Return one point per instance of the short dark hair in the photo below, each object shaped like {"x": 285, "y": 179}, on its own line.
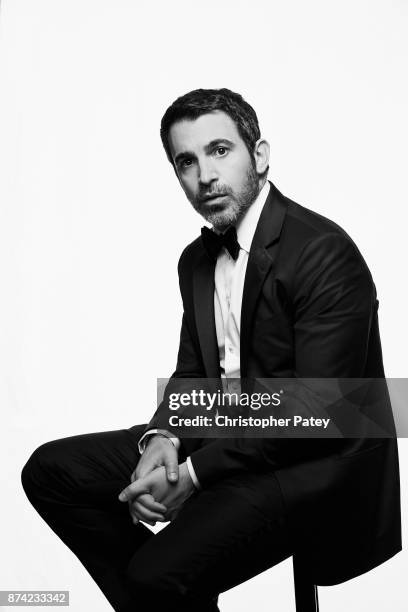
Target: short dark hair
{"x": 201, "y": 101}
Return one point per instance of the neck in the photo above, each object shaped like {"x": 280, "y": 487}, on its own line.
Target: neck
{"x": 262, "y": 183}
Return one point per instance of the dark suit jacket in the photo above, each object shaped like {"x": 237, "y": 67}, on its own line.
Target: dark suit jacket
{"x": 309, "y": 310}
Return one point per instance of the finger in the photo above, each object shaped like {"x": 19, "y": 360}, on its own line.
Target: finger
{"x": 133, "y": 490}
{"x": 143, "y": 470}
{"x": 137, "y": 473}
{"x": 172, "y": 469}
{"x": 132, "y": 513}
{"x": 133, "y": 516}
{"x": 151, "y": 504}
{"x": 143, "y": 514}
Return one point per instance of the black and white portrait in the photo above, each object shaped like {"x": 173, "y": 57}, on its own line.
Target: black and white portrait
{"x": 211, "y": 192}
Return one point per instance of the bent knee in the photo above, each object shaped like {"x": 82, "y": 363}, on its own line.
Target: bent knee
{"x": 39, "y": 468}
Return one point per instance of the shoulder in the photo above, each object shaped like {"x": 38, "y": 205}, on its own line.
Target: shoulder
{"x": 305, "y": 230}
{"x": 304, "y": 224}
{"x": 314, "y": 248}
{"x": 323, "y": 256}
{"x": 190, "y": 256}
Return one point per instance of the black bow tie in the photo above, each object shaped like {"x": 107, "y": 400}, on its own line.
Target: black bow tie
{"x": 213, "y": 242}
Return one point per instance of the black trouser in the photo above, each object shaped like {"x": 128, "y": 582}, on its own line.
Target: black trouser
{"x": 222, "y": 536}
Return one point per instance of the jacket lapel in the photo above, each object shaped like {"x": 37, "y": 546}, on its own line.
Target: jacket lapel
{"x": 203, "y": 290}
{"x": 260, "y": 264}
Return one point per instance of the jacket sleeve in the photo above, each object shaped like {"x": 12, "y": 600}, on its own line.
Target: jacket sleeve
{"x": 334, "y": 301}
{"x": 189, "y": 367}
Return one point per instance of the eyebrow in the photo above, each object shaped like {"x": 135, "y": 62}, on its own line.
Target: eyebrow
{"x": 214, "y": 143}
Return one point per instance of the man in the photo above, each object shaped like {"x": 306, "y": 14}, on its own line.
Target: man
{"x": 274, "y": 290}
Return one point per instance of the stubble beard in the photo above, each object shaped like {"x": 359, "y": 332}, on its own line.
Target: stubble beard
{"x": 220, "y": 216}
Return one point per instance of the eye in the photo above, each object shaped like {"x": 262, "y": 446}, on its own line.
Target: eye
{"x": 221, "y": 151}
{"x": 186, "y": 163}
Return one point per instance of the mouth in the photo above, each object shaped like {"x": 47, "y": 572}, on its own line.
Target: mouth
{"x": 213, "y": 199}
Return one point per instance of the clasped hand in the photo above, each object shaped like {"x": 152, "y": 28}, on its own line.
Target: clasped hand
{"x": 159, "y": 486}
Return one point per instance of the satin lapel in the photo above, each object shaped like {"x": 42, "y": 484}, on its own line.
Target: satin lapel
{"x": 203, "y": 288}
{"x": 260, "y": 264}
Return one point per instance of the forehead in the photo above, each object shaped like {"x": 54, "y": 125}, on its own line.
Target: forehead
{"x": 194, "y": 134}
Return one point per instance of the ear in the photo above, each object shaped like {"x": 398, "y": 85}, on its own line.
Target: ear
{"x": 261, "y": 155}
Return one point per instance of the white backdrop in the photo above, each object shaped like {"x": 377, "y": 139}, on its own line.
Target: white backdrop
{"x": 93, "y": 219}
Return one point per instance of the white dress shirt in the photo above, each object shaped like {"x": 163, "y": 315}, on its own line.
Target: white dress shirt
{"x": 229, "y": 277}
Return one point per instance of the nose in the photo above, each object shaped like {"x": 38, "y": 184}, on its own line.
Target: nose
{"x": 206, "y": 172}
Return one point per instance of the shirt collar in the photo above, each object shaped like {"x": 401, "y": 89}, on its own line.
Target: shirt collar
{"x": 246, "y": 226}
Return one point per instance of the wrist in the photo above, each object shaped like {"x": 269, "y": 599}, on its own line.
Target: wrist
{"x": 158, "y": 437}
{"x": 163, "y": 433}
{"x": 185, "y": 476}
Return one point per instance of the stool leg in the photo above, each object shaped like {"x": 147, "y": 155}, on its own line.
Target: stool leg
{"x": 305, "y": 591}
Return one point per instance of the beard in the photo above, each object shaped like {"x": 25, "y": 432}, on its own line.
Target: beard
{"x": 235, "y": 205}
